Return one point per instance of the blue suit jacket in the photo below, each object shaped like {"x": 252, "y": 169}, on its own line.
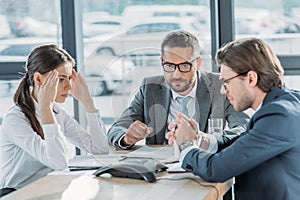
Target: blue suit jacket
{"x": 152, "y": 103}
{"x": 265, "y": 159}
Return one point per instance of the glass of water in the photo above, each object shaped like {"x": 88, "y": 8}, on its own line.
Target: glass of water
{"x": 215, "y": 126}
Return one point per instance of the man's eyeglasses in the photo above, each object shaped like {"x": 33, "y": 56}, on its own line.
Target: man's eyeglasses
{"x": 226, "y": 81}
{"x": 183, "y": 67}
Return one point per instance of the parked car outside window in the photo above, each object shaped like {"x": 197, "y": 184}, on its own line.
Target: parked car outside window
{"x": 98, "y": 23}
{"x": 105, "y": 73}
{"x": 147, "y": 35}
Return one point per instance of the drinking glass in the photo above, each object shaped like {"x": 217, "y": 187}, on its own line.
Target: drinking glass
{"x": 215, "y": 126}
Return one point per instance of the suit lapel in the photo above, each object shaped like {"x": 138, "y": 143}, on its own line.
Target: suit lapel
{"x": 162, "y": 100}
{"x": 203, "y": 104}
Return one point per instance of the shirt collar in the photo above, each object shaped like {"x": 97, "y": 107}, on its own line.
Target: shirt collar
{"x": 258, "y": 108}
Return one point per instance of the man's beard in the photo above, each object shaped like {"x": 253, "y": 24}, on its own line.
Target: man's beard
{"x": 186, "y": 86}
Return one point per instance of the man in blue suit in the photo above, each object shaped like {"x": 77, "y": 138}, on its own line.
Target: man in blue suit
{"x": 156, "y": 103}
{"x": 265, "y": 159}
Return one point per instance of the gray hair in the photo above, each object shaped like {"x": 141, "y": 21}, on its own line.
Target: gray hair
{"x": 181, "y": 39}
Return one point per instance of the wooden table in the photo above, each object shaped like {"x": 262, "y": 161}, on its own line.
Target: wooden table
{"x": 181, "y": 186}
{"x": 82, "y": 185}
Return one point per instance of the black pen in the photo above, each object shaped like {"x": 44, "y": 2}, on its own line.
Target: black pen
{"x": 171, "y": 162}
{"x": 82, "y": 168}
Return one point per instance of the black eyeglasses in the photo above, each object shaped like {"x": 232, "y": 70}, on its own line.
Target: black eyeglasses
{"x": 183, "y": 67}
{"x": 226, "y": 81}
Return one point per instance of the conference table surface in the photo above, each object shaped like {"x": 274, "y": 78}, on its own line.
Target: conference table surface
{"x": 82, "y": 185}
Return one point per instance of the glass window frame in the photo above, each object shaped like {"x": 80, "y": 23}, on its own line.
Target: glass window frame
{"x": 222, "y": 30}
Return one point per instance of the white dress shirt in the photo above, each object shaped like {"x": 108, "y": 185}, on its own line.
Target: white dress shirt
{"x": 27, "y": 157}
{"x": 175, "y": 107}
{"x": 206, "y": 142}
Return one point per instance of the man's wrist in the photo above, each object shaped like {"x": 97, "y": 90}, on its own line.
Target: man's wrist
{"x": 185, "y": 151}
{"x": 186, "y": 144}
{"x": 121, "y": 144}
{"x": 208, "y": 142}
{"x": 123, "y": 141}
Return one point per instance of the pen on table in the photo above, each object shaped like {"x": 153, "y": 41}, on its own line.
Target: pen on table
{"x": 171, "y": 162}
{"x": 175, "y": 145}
{"x": 82, "y": 168}
{"x": 134, "y": 157}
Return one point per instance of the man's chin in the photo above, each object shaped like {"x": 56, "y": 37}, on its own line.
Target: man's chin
{"x": 60, "y": 100}
{"x": 237, "y": 108}
{"x": 178, "y": 88}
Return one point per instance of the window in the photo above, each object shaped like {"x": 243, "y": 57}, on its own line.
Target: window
{"x": 116, "y": 61}
{"x": 133, "y": 48}
{"x": 278, "y": 24}
{"x": 22, "y": 28}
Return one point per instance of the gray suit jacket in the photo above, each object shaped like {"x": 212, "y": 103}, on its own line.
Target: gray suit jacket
{"x": 152, "y": 103}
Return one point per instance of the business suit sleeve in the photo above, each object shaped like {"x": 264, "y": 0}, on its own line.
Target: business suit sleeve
{"x": 134, "y": 112}
{"x": 272, "y": 131}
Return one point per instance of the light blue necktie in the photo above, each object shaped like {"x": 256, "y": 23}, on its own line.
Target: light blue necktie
{"x": 183, "y": 101}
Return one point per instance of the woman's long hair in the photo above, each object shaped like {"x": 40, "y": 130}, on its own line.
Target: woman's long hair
{"x": 42, "y": 59}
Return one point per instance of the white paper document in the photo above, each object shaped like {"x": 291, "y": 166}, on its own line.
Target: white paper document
{"x": 163, "y": 154}
{"x": 93, "y": 160}
{"x": 175, "y": 168}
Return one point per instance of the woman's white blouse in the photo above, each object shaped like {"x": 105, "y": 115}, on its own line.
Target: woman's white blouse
{"x": 26, "y": 157}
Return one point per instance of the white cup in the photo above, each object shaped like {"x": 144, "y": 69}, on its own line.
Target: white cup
{"x": 215, "y": 126}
